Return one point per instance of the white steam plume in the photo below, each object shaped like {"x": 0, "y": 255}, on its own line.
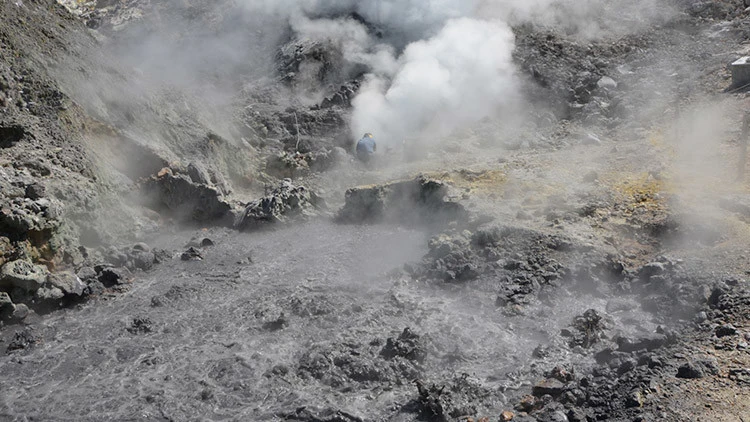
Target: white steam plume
{"x": 433, "y": 66}
{"x": 441, "y": 65}
{"x": 458, "y": 77}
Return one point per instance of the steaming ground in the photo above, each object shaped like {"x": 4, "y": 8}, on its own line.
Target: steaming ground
{"x": 208, "y": 347}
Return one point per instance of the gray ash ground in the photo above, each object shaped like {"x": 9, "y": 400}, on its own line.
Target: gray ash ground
{"x": 267, "y": 324}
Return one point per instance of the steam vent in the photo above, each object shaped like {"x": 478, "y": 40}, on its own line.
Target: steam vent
{"x": 374, "y": 211}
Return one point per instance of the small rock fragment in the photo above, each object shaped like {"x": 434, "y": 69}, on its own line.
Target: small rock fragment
{"x": 113, "y": 276}
{"x": 140, "y": 326}
{"x": 549, "y": 386}
{"x": 726, "y": 330}
{"x": 605, "y": 82}
{"x": 6, "y": 306}
{"x": 192, "y": 254}
{"x": 690, "y": 370}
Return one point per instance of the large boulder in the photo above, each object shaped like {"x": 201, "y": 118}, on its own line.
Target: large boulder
{"x": 23, "y": 274}
{"x": 67, "y": 282}
{"x": 185, "y": 198}
{"x": 18, "y": 216}
{"x": 421, "y": 200}
{"x": 287, "y": 202}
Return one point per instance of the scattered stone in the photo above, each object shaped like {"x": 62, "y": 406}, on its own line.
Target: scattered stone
{"x": 24, "y": 274}
{"x": 277, "y": 324}
{"x": 690, "y": 370}
{"x": 35, "y": 191}
{"x": 550, "y": 386}
{"x": 313, "y": 414}
{"x": 407, "y": 345}
{"x": 143, "y": 260}
{"x": 634, "y": 399}
{"x": 200, "y": 242}
{"x": 590, "y": 328}
{"x": 577, "y": 415}
{"x": 740, "y": 375}
{"x": 21, "y": 312}
{"x": 646, "y": 342}
{"x": 110, "y": 276}
{"x": 605, "y": 82}
{"x": 527, "y": 403}
{"x": 48, "y": 294}
{"x": 22, "y": 340}
{"x": 561, "y": 374}
{"x": 67, "y": 282}
{"x": 507, "y": 416}
{"x": 726, "y": 330}
{"x": 651, "y": 269}
{"x": 20, "y": 216}
{"x": 140, "y": 326}
{"x": 87, "y": 274}
{"x": 7, "y": 308}
{"x": 191, "y": 254}
{"x": 433, "y": 399}
{"x": 141, "y": 247}
{"x": 246, "y": 260}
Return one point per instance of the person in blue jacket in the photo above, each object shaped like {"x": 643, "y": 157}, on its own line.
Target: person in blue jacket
{"x": 366, "y": 147}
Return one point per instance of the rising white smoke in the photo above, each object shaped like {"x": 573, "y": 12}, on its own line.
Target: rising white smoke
{"x": 433, "y": 66}
{"x": 439, "y": 65}
{"x": 458, "y": 77}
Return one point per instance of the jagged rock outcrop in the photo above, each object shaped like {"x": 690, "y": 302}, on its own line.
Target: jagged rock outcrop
{"x": 421, "y": 201}
{"x": 287, "y": 202}
{"x": 185, "y": 198}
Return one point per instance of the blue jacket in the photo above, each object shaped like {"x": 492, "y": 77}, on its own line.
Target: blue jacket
{"x": 366, "y": 145}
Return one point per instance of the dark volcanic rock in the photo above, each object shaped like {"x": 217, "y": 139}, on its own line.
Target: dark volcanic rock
{"x": 199, "y": 174}
{"x": 690, "y": 370}
{"x": 726, "y": 330}
{"x": 590, "y": 328}
{"x": 191, "y": 254}
{"x": 24, "y": 339}
{"x": 200, "y": 242}
{"x": 11, "y": 135}
{"x": 110, "y": 276}
{"x": 67, "y": 282}
{"x": 287, "y": 202}
{"x": 407, "y": 345}
{"x": 140, "y": 326}
{"x": 649, "y": 342}
{"x": 550, "y": 386}
{"x": 421, "y": 200}
{"x": 186, "y": 199}
{"x": 455, "y": 399}
{"x": 23, "y": 274}
{"x": 6, "y": 306}
{"x": 313, "y": 414}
